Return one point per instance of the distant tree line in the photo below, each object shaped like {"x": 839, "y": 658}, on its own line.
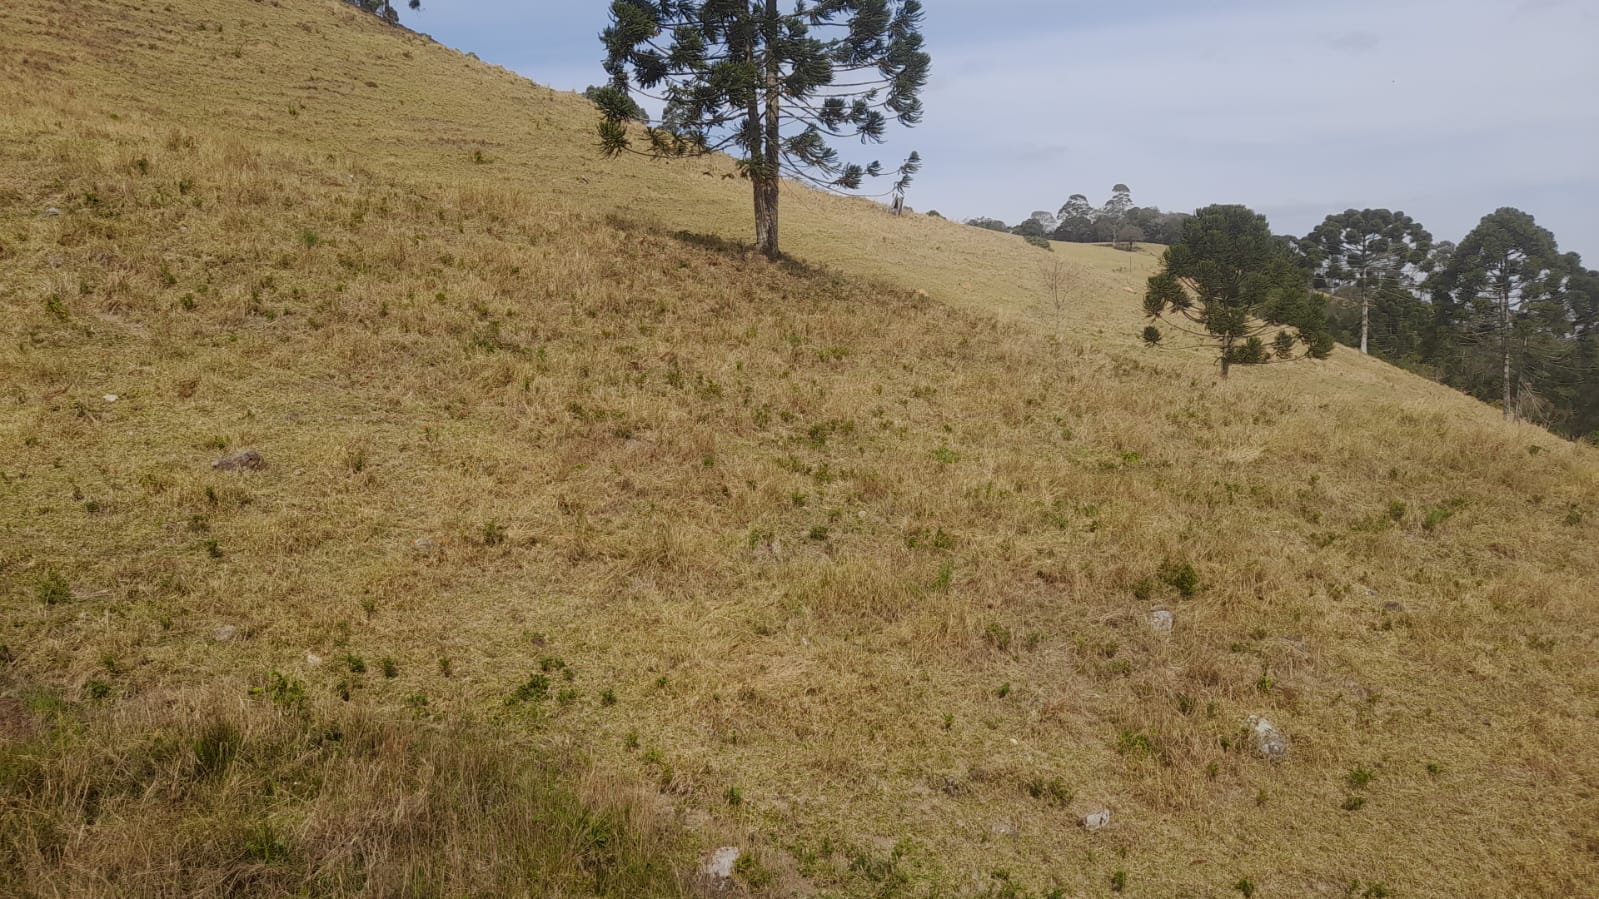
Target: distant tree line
{"x": 1117, "y": 222}
{"x": 1503, "y": 315}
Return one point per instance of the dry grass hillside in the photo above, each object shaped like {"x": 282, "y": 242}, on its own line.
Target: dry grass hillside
{"x": 586, "y": 543}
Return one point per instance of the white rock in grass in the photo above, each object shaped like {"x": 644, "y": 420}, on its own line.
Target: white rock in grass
{"x": 719, "y": 864}
{"x": 312, "y": 660}
{"x": 1161, "y": 620}
{"x": 225, "y": 633}
{"x": 110, "y": 397}
{"x": 1269, "y": 741}
{"x": 1096, "y": 820}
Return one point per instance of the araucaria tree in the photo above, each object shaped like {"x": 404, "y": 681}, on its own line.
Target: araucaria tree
{"x": 1507, "y": 281}
{"x": 771, "y": 86}
{"x": 1230, "y": 283}
{"x": 1373, "y": 251}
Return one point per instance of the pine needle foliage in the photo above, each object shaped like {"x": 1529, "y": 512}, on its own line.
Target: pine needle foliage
{"x": 1230, "y": 283}
{"x": 774, "y": 88}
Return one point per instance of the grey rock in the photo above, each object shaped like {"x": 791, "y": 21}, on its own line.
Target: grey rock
{"x": 244, "y": 460}
{"x": 225, "y": 633}
{"x": 1096, "y": 820}
{"x": 425, "y": 545}
{"x": 52, "y": 212}
{"x": 1269, "y": 741}
{"x": 312, "y": 660}
{"x": 718, "y": 866}
{"x": 1161, "y": 620}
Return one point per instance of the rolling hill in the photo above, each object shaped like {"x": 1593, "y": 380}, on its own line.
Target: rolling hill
{"x": 581, "y": 542}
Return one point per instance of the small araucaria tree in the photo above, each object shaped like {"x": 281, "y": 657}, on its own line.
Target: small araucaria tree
{"x": 1230, "y": 283}
{"x": 771, "y": 86}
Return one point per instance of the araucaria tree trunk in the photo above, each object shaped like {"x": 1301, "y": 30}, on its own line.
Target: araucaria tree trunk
{"x": 1504, "y": 337}
{"x": 767, "y": 177}
{"x": 1365, "y": 321}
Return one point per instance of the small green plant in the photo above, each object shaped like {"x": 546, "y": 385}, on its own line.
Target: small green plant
{"x": 949, "y": 720}
{"x": 309, "y": 238}
{"x": 355, "y": 663}
{"x": 55, "y": 307}
{"x": 945, "y": 456}
{"x": 97, "y": 689}
{"x": 819, "y": 533}
{"x": 1354, "y": 803}
{"x": 1434, "y": 769}
{"x": 262, "y": 845}
{"x": 1359, "y": 778}
{"x": 493, "y": 532}
{"x": 1053, "y": 790}
{"x": 213, "y": 549}
{"x": 998, "y": 636}
{"x": 607, "y": 697}
{"x": 1396, "y": 510}
{"x": 533, "y": 689}
{"x": 1003, "y": 691}
{"x": 1245, "y": 886}
{"x": 733, "y": 796}
{"x": 1135, "y": 744}
{"x": 1180, "y": 576}
{"x": 52, "y": 589}
{"x": 446, "y": 669}
{"x": 416, "y": 701}
{"x": 1118, "y": 881}
{"x": 215, "y": 748}
{"x": 630, "y": 742}
{"x": 749, "y": 869}
{"x": 390, "y": 669}
{"x": 1376, "y": 891}
{"x": 285, "y": 692}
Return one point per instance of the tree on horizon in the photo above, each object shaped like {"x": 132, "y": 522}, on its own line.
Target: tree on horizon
{"x": 774, "y": 86}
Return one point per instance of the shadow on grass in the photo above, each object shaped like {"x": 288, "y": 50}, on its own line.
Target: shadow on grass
{"x": 736, "y": 250}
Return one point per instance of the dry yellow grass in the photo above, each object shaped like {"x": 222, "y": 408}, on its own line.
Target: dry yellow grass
{"x": 880, "y": 565}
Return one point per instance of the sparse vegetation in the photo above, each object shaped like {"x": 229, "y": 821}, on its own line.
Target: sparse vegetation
{"x": 1076, "y": 464}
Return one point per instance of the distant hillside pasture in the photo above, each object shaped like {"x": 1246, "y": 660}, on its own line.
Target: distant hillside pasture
{"x": 786, "y": 557}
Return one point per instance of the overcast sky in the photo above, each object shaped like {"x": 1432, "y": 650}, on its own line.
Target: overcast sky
{"x": 1446, "y": 109}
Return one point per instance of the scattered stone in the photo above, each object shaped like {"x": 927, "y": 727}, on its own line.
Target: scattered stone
{"x": 425, "y": 545}
{"x": 1096, "y": 820}
{"x": 312, "y": 659}
{"x": 1002, "y": 829}
{"x": 52, "y": 212}
{"x": 1269, "y": 741}
{"x": 1162, "y": 620}
{"x": 110, "y": 397}
{"x": 244, "y": 460}
{"x": 718, "y": 866}
{"x": 1393, "y": 605}
{"x": 225, "y": 633}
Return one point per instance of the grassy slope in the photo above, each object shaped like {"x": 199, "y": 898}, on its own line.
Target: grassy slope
{"x": 800, "y": 522}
